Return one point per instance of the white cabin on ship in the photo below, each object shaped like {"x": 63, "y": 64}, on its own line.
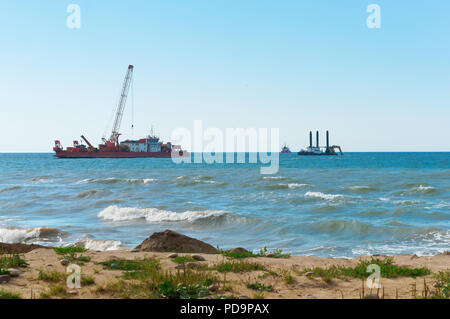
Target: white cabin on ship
{"x": 150, "y": 144}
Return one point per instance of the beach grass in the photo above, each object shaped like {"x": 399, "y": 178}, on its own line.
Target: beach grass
{"x": 54, "y": 291}
{"x": 237, "y": 266}
{"x": 441, "y": 285}
{"x": 387, "y": 270}
{"x": 260, "y": 287}
{"x": 264, "y": 252}
{"x": 69, "y": 250}
{"x": 11, "y": 261}
{"x": 9, "y": 295}
{"x": 145, "y": 278}
{"x": 183, "y": 259}
{"x": 51, "y": 276}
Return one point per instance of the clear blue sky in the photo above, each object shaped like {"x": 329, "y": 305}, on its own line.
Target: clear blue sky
{"x": 296, "y": 65}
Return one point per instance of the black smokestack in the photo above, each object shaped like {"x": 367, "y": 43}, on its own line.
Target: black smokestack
{"x": 317, "y": 139}
{"x": 328, "y": 140}
{"x": 310, "y": 139}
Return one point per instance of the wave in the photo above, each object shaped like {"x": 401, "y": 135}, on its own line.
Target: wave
{"x": 115, "y": 213}
{"x": 422, "y": 189}
{"x": 321, "y": 195}
{"x": 275, "y": 177}
{"x": 340, "y": 226}
{"x": 42, "y": 179}
{"x": 428, "y": 243}
{"x": 9, "y": 189}
{"x": 198, "y": 180}
{"x": 87, "y": 194}
{"x": 361, "y": 189}
{"x": 285, "y": 186}
{"x": 114, "y": 180}
{"x": 407, "y": 202}
{"x": 100, "y": 245}
{"x": 13, "y": 235}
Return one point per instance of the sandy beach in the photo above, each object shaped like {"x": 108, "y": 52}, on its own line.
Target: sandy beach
{"x": 277, "y": 278}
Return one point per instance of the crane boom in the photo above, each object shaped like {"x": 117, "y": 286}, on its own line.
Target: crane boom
{"x": 120, "y": 107}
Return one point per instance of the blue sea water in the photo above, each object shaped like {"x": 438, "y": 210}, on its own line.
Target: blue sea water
{"x": 341, "y": 206}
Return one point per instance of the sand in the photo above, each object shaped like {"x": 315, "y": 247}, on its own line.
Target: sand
{"x": 29, "y": 286}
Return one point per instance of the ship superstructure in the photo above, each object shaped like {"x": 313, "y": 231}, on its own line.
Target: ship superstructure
{"x": 320, "y": 150}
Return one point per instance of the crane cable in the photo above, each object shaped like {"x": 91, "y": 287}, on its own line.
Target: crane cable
{"x": 132, "y": 107}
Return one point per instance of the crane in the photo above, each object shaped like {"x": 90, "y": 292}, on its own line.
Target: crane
{"x": 114, "y": 138}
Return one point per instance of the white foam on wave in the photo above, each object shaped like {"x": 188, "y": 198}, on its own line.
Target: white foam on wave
{"x": 422, "y": 189}
{"x": 111, "y": 180}
{"x": 428, "y": 244}
{"x": 323, "y": 195}
{"x": 115, "y": 213}
{"x": 101, "y": 245}
{"x": 13, "y": 235}
{"x": 273, "y": 177}
{"x": 295, "y": 185}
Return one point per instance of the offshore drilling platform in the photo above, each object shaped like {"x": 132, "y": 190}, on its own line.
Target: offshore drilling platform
{"x": 320, "y": 150}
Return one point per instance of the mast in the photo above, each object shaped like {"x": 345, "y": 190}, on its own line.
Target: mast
{"x": 121, "y": 106}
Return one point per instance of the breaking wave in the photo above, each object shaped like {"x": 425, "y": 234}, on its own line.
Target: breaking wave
{"x": 275, "y": 177}
{"x": 198, "y": 180}
{"x": 115, "y": 213}
{"x": 114, "y": 180}
{"x": 320, "y": 195}
{"x": 101, "y": 245}
{"x": 14, "y": 235}
{"x": 285, "y": 186}
{"x": 422, "y": 189}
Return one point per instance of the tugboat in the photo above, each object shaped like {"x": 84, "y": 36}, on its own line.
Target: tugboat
{"x": 320, "y": 150}
{"x": 150, "y": 146}
{"x": 285, "y": 149}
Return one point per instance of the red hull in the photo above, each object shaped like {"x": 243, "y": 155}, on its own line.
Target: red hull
{"x": 65, "y": 154}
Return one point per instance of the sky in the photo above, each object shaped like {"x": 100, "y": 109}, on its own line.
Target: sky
{"x": 293, "y": 65}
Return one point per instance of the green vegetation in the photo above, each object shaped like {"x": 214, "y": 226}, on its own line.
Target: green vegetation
{"x": 239, "y": 266}
{"x": 287, "y": 277}
{"x": 276, "y": 253}
{"x": 144, "y": 278}
{"x": 54, "y": 291}
{"x": 70, "y": 252}
{"x": 51, "y": 276}
{"x": 87, "y": 280}
{"x": 84, "y": 258}
{"x": 238, "y": 254}
{"x": 387, "y": 268}
{"x": 9, "y": 295}
{"x": 259, "y": 295}
{"x": 226, "y": 297}
{"x": 128, "y": 265}
{"x": 441, "y": 285}
{"x": 260, "y": 287}
{"x": 183, "y": 259}
{"x": 10, "y": 261}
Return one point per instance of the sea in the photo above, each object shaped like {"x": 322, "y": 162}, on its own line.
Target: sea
{"x": 327, "y": 206}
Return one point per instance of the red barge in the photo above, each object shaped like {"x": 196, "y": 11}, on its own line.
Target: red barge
{"x": 150, "y": 146}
